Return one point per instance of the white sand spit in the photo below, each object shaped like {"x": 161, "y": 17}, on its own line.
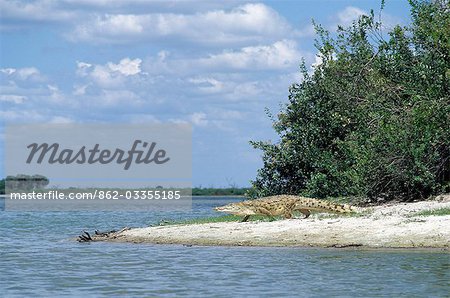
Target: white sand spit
{"x": 388, "y": 226}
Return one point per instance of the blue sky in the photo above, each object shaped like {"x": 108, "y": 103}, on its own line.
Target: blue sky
{"x": 214, "y": 64}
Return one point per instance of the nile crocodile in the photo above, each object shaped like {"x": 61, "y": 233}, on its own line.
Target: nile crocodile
{"x": 283, "y": 205}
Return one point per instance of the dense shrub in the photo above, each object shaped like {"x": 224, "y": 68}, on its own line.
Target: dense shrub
{"x": 373, "y": 120}
{"x": 2, "y": 187}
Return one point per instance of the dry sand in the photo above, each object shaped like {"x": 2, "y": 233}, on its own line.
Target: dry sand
{"x": 387, "y": 226}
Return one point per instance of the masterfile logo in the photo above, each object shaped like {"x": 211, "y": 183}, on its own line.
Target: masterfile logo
{"x": 52, "y": 154}
{"x": 156, "y": 151}
{"x": 100, "y": 161}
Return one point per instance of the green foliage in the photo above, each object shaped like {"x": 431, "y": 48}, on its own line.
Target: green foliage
{"x": 373, "y": 119}
{"x": 2, "y": 187}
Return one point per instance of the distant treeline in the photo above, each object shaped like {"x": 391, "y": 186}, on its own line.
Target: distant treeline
{"x": 196, "y": 191}
{"x": 230, "y": 191}
{"x": 23, "y": 182}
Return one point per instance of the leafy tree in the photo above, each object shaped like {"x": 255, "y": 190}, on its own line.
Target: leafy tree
{"x": 2, "y": 186}
{"x": 373, "y": 119}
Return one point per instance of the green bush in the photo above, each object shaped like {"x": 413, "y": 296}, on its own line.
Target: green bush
{"x": 373, "y": 120}
{"x": 2, "y": 186}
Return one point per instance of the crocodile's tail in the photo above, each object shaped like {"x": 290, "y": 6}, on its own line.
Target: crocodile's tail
{"x": 323, "y": 206}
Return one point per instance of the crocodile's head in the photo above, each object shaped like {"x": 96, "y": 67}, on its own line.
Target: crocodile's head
{"x": 236, "y": 209}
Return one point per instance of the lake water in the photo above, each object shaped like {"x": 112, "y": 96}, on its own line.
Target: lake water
{"x": 40, "y": 258}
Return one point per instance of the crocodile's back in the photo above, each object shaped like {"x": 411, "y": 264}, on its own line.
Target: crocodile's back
{"x": 322, "y": 206}
{"x": 275, "y": 205}
{"x": 295, "y": 203}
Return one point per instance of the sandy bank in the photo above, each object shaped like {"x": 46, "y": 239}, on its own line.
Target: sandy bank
{"x": 389, "y": 226}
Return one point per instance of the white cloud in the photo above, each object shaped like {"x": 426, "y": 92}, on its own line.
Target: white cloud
{"x": 35, "y": 11}
{"x": 348, "y": 15}
{"x": 156, "y": 6}
{"x": 279, "y": 55}
{"x": 19, "y": 14}
{"x": 61, "y": 120}
{"x": 55, "y": 95}
{"x": 143, "y": 118}
{"x": 108, "y": 28}
{"x": 243, "y": 24}
{"x": 245, "y": 90}
{"x": 8, "y": 71}
{"x": 106, "y": 78}
{"x": 27, "y": 116}
{"x": 83, "y": 68}
{"x": 127, "y": 66}
{"x": 16, "y": 99}
{"x": 207, "y": 85}
{"x": 29, "y": 96}
{"x": 198, "y": 119}
{"x": 111, "y": 75}
{"x": 318, "y": 60}
{"x": 219, "y": 118}
{"x": 80, "y": 89}
{"x": 25, "y": 73}
{"x": 21, "y": 116}
{"x": 118, "y": 98}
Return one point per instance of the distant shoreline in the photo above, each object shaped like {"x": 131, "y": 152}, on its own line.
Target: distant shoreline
{"x": 403, "y": 225}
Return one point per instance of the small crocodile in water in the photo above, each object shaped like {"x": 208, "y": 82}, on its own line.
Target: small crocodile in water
{"x": 283, "y": 205}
